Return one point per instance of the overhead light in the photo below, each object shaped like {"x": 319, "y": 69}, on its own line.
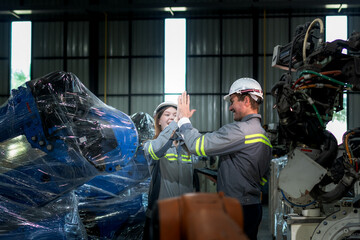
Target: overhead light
{"x": 22, "y": 12}
{"x": 336, "y": 6}
{"x": 175, "y": 9}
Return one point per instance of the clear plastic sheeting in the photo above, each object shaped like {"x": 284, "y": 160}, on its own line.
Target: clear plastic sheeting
{"x": 278, "y": 209}
{"x": 57, "y": 220}
{"x": 113, "y": 206}
{"x": 145, "y": 125}
{"x": 55, "y": 137}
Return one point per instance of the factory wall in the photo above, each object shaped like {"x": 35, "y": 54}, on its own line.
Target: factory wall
{"x": 353, "y": 98}
{"x": 4, "y": 60}
{"x": 122, "y": 61}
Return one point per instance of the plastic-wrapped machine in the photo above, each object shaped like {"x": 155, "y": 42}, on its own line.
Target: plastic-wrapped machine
{"x": 145, "y": 125}
{"x": 113, "y": 206}
{"x": 55, "y": 136}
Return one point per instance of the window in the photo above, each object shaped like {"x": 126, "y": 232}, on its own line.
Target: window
{"x": 20, "y": 53}
{"x": 336, "y": 28}
{"x": 175, "y": 58}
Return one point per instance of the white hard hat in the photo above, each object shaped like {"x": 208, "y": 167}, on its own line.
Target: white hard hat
{"x": 246, "y": 85}
{"x": 164, "y": 104}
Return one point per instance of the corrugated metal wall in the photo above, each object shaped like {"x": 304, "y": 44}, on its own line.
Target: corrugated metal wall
{"x": 5, "y": 29}
{"x": 49, "y": 41}
{"x": 272, "y": 32}
{"x": 47, "y": 48}
{"x": 117, "y": 63}
{"x": 219, "y": 51}
{"x": 354, "y": 98}
{"x": 134, "y": 63}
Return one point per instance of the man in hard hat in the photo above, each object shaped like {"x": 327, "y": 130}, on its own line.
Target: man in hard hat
{"x": 243, "y": 149}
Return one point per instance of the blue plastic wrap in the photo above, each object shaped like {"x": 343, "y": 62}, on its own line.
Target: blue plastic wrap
{"x": 113, "y": 206}
{"x": 55, "y": 136}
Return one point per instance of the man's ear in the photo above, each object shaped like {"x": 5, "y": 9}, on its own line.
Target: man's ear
{"x": 247, "y": 100}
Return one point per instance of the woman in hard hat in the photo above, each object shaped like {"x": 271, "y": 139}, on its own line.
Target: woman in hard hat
{"x": 169, "y": 159}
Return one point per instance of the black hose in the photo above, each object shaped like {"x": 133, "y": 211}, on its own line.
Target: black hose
{"x": 338, "y": 192}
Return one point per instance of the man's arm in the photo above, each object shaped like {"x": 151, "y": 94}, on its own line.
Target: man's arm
{"x": 223, "y": 141}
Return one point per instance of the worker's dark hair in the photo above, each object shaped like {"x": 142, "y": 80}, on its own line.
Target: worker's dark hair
{"x": 254, "y": 104}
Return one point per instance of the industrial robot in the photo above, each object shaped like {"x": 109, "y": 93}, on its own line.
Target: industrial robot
{"x": 55, "y": 137}
{"x": 319, "y": 182}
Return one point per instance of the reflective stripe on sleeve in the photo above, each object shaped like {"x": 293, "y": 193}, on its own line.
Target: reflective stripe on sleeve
{"x": 185, "y": 158}
{"x": 197, "y": 147}
{"x": 171, "y": 156}
{"x": 257, "y": 138}
{"x": 152, "y": 154}
{"x": 200, "y": 151}
{"x": 202, "y": 146}
{"x": 263, "y": 181}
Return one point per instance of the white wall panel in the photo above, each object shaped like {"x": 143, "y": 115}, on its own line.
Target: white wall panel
{"x": 5, "y": 36}
{"x": 227, "y": 116}
{"x": 121, "y": 103}
{"x": 353, "y": 111}
{"x": 354, "y": 99}
{"x": 235, "y": 68}
{"x": 48, "y": 39}
{"x": 117, "y": 38}
{"x": 148, "y": 37}
{"x": 203, "y": 36}
{"x": 147, "y": 75}
{"x": 273, "y": 75}
{"x": 207, "y": 117}
{"x": 203, "y": 75}
{"x": 354, "y": 24}
{"x": 80, "y": 67}
{"x": 237, "y": 36}
{"x": 276, "y": 32}
{"x": 78, "y": 39}
{"x": 145, "y": 104}
{"x": 42, "y": 67}
{"x": 4, "y": 77}
{"x": 117, "y": 76}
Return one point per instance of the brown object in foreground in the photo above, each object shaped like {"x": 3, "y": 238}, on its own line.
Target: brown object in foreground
{"x": 197, "y": 216}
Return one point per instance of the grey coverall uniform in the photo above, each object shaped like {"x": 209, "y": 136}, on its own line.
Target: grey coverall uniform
{"x": 171, "y": 166}
{"x": 244, "y": 156}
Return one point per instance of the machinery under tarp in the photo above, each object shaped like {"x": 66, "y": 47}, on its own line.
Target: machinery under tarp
{"x": 71, "y": 167}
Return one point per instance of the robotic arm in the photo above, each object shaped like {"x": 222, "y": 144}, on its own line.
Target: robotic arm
{"x": 317, "y": 74}
{"x": 71, "y": 137}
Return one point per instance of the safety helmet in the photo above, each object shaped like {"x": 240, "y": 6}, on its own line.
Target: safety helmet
{"x": 246, "y": 85}
{"x": 163, "y": 105}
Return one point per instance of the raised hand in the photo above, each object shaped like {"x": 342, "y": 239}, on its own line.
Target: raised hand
{"x": 183, "y": 108}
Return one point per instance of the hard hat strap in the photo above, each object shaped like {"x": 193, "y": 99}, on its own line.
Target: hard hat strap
{"x": 249, "y": 91}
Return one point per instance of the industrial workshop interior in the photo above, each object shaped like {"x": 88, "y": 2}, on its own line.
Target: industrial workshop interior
{"x": 179, "y": 119}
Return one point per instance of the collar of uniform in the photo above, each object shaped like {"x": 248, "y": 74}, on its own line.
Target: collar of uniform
{"x": 247, "y": 117}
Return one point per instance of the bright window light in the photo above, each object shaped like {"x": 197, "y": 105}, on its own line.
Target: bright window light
{"x": 336, "y": 28}
{"x": 175, "y": 58}
{"x": 20, "y": 53}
